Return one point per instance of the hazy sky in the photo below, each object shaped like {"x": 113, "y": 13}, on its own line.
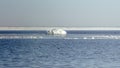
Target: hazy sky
{"x": 59, "y": 12}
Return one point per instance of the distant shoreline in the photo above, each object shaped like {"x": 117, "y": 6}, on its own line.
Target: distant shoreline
{"x": 65, "y": 28}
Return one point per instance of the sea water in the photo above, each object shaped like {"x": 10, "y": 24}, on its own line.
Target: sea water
{"x": 78, "y": 49}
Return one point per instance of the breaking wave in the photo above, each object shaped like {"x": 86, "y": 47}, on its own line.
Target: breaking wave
{"x": 95, "y": 37}
{"x": 38, "y": 36}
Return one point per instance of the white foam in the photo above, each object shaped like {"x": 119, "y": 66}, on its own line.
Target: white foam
{"x": 96, "y": 37}
{"x": 19, "y": 36}
{"x": 38, "y": 36}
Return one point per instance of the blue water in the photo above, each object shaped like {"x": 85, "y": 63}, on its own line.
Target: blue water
{"x": 58, "y": 52}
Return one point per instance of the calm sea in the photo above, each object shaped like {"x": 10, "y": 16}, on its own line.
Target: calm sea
{"x": 78, "y": 49}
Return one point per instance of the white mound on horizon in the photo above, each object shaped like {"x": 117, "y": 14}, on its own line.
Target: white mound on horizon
{"x": 57, "y": 32}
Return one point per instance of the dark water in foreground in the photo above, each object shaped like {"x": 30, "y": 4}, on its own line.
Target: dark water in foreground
{"x": 59, "y": 53}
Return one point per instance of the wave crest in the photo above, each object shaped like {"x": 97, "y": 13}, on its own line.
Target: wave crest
{"x": 37, "y": 36}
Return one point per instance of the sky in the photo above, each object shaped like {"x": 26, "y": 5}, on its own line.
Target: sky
{"x": 60, "y": 13}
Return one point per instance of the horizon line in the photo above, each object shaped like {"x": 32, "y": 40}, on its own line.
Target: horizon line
{"x": 65, "y": 28}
